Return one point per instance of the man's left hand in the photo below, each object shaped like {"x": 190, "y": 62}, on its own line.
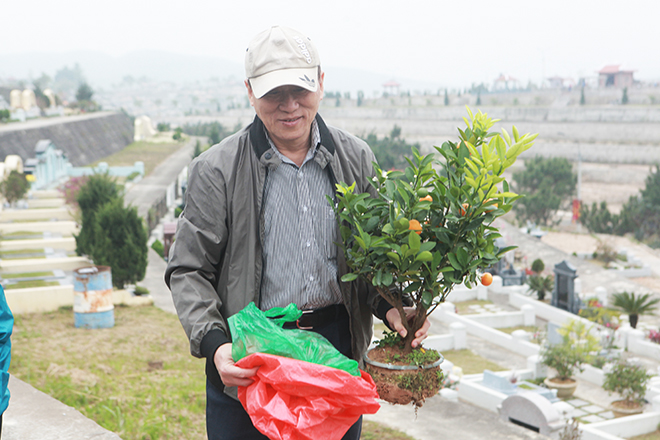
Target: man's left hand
{"x": 394, "y": 318}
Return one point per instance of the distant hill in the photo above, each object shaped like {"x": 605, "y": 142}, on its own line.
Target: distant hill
{"x": 102, "y": 70}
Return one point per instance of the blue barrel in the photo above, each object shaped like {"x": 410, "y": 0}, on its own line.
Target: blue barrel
{"x": 92, "y": 300}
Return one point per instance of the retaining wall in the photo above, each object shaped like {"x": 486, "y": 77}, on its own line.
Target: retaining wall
{"x": 84, "y": 139}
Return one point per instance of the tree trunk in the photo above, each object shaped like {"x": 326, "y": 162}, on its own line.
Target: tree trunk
{"x": 412, "y": 326}
{"x": 633, "y": 317}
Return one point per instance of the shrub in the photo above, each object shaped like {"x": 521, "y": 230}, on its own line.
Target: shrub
{"x": 628, "y": 380}
{"x": 14, "y": 187}
{"x": 99, "y": 189}
{"x": 159, "y": 248}
{"x": 635, "y": 305}
{"x": 541, "y": 285}
{"x": 654, "y": 336}
{"x": 547, "y": 184}
{"x": 120, "y": 241}
{"x": 140, "y": 290}
{"x": 538, "y": 266}
{"x": 564, "y": 359}
{"x": 71, "y": 189}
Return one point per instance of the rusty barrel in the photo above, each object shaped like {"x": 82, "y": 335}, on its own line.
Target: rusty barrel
{"x": 92, "y": 302}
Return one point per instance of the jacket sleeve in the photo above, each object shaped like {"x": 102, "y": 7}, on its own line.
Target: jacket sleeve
{"x": 195, "y": 257}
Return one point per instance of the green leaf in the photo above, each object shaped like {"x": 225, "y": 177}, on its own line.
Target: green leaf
{"x": 393, "y": 256}
{"x": 349, "y": 277}
{"x": 414, "y": 241}
{"x": 504, "y": 250}
{"x": 453, "y": 261}
{"x": 426, "y": 299}
{"x": 424, "y": 256}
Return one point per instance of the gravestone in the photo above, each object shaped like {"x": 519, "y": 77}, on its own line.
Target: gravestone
{"x": 15, "y": 99}
{"x": 564, "y": 294}
{"x": 531, "y": 411}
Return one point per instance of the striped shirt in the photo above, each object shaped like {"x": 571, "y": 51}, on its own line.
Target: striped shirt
{"x": 300, "y": 257}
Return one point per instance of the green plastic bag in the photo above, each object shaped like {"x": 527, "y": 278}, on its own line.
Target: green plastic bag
{"x": 255, "y": 331}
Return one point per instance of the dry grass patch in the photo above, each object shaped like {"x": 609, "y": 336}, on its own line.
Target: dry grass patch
{"x": 470, "y": 362}
{"x": 463, "y": 307}
{"x": 148, "y": 152}
{"x": 136, "y": 379}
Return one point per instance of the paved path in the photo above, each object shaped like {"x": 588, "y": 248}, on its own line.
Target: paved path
{"x": 153, "y": 187}
{"x": 33, "y": 415}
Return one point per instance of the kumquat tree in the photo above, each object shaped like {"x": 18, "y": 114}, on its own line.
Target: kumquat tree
{"x": 430, "y": 227}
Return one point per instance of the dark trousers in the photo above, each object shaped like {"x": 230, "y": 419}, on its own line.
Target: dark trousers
{"x": 226, "y": 418}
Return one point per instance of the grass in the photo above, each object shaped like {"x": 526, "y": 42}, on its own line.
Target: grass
{"x": 31, "y": 283}
{"x": 470, "y": 362}
{"x": 150, "y": 153}
{"x": 655, "y": 435}
{"x": 114, "y": 376}
{"x": 106, "y": 373}
{"x": 27, "y": 275}
{"x": 527, "y": 328}
{"x": 4, "y": 254}
{"x": 9, "y": 235}
{"x": 463, "y": 307}
{"x": 376, "y": 431}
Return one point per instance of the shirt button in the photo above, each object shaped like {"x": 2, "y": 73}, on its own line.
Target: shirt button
{"x": 268, "y": 155}
{"x": 300, "y": 175}
{"x": 311, "y": 278}
{"x": 305, "y": 208}
{"x": 308, "y": 244}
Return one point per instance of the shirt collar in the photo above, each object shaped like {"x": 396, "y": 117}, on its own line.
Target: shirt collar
{"x": 311, "y": 152}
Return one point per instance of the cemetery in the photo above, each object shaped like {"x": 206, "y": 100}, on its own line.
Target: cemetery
{"x": 516, "y": 394}
{"x": 37, "y": 250}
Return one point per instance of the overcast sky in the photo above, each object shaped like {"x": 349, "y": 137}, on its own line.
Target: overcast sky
{"x": 455, "y": 43}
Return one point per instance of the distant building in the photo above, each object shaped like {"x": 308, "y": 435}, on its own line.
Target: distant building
{"x": 391, "y": 88}
{"x": 613, "y": 76}
{"x": 557, "y": 82}
{"x": 505, "y": 82}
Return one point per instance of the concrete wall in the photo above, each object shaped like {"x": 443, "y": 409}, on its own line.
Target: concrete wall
{"x": 84, "y": 139}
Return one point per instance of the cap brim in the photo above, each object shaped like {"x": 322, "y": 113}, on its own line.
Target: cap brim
{"x": 306, "y": 78}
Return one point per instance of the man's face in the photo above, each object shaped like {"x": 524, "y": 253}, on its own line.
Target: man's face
{"x": 288, "y": 112}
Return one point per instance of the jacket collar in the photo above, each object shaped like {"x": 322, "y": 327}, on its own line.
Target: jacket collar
{"x": 260, "y": 144}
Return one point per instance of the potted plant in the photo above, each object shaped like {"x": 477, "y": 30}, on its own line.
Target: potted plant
{"x": 425, "y": 230}
{"x": 541, "y": 285}
{"x": 635, "y": 306}
{"x": 629, "y": 381}
{"x": 568, "y": 356}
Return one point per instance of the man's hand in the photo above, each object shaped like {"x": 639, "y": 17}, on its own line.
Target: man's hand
{"x": 394, "y": 318}
{"x": 230, "y": 374}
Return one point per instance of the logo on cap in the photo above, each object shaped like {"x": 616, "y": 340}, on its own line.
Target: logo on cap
{"x": 306, "y": 80}
{"x": 303, "y": 49}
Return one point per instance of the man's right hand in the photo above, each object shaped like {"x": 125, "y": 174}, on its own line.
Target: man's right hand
{"x": 230, "y": 374}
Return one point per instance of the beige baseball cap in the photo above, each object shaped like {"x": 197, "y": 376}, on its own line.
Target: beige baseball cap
{"x": 281, "y": 56}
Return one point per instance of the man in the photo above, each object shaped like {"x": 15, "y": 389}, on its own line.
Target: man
{"x": 257, "y": 227}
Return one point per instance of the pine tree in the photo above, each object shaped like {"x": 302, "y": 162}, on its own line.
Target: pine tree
{"x": 98, "y": 190}
{"x": 120, "y": 241}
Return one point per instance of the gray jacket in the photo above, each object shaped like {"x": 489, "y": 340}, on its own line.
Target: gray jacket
{"x": 215, "y": 266}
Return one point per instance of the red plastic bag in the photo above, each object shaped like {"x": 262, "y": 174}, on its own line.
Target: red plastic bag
{"x": 297, "y": 400}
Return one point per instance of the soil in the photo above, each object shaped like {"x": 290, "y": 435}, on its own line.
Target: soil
{"x": 402, "y": 387}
